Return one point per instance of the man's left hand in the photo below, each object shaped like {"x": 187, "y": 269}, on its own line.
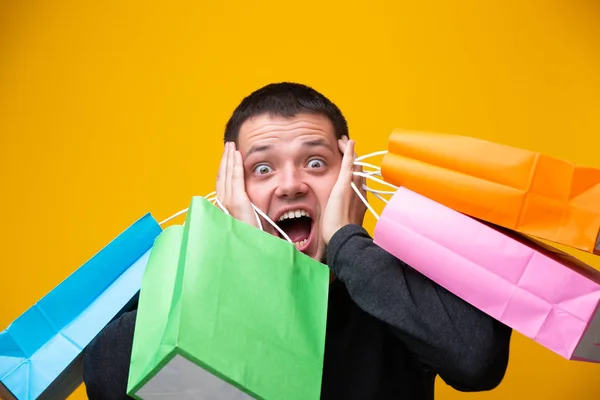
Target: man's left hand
{"x": 344, "y": 207}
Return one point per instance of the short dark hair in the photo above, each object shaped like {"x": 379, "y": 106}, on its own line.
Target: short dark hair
{"x": 285, "y": 99}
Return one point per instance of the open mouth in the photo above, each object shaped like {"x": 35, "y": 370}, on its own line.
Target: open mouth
{"x": 298, "y": 225}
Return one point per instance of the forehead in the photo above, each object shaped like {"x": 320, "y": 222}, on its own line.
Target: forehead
{"x": 274, "y": 130}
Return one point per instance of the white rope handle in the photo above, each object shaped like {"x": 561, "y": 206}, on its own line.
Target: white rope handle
{"x": 380, "y": 197}
{"x": 367, "y": 176}
{"x": 269, "y": 220}
{"x": 377, "y": 193}
{"x": 178, "y": 213}
{"x": 370, "y": 155}
{"x": 374, "y": 192}
{"x": 215, "y": 200}
{"x": 376, "y": 170}
{"x": 222, "y": 207}
{"x": 368, "y": 189}
{"x": 365, "y": 202}
{"x": 258, "y": 212}
{"x": 364, "y": 164}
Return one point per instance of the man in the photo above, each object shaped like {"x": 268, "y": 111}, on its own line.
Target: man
{"x": 390, "y": 330}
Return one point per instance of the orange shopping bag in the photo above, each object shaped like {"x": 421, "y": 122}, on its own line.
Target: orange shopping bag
{"x": 522, "y": 190}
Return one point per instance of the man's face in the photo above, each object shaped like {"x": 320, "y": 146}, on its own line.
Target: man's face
{"x": 291, "y": 165}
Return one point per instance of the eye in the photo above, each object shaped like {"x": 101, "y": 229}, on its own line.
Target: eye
{"x": 315, "y": 163}
{"x": 262, "y": 169}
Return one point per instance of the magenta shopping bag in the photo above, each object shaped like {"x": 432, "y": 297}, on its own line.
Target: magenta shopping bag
{"x": 540, "y": 292}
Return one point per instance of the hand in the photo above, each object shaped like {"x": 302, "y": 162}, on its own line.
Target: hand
{"x": 344, "y": 207}
{"x": 231, "y": 189}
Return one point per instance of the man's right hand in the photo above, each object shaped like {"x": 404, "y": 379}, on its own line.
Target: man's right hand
{"x": 231, "y": 188}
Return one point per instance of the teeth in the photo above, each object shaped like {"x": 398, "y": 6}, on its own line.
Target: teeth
{"x": 293, "y": 214}
{"x": 300, "y": 244}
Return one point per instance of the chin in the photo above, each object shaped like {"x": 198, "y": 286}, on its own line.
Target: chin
{"x": 316, "y": 249}
{"x": 318, "y": 254}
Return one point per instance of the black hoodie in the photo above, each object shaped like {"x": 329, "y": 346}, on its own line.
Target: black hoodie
{"x": 390, "y": 332}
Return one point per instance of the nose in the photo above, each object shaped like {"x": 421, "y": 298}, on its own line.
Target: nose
{"x": 291, "y": 185}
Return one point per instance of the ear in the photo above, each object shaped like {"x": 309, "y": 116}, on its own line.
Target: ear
{"x": 342, "y": 142}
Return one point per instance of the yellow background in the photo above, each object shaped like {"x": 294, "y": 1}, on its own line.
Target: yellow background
{"x": 111, "y": 109}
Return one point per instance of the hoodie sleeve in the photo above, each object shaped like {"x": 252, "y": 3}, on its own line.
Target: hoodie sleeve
{"x": 106, "y": 360}
{"x": 465, "y": 346}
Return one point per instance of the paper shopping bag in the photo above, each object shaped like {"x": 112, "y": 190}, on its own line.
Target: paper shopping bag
{"x": 40, "y": 352}
{"x": 227, "y": 311}
{"x": 544, "y": 294}
{"x": 522, "y": 190}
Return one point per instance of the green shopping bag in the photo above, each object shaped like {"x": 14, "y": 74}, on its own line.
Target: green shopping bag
{"x": 227, "y": 311}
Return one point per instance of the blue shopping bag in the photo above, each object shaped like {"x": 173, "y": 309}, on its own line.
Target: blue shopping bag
{"x": 41, "y": 351}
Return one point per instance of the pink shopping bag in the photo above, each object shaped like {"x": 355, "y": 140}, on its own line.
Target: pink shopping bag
{"x": 546, "y": 295}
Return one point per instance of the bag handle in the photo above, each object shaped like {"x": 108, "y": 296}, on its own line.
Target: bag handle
{"x": 177, "y": 214}
{"x": 258, "y": 212}
{"x": 210, "y": 197}
{"x": 215, "y": 200}
{"x": 371, "y": 155}
{"x": 270, "y": 221}
{"x": 377, "y": 170}
{"x": 371, "y": 175}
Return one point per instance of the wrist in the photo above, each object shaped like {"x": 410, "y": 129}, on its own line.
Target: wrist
{"x": 337, "y": 249}
{"x": 332, "y": 232}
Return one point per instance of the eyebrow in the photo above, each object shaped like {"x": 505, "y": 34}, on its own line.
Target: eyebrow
{"x": 317, "y": 143}
{"x": 258, "y": 149}
{"x": 308, "y": 143}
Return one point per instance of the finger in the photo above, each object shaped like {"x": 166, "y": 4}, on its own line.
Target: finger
{"x": 348, "y": 162}
{"x": 238, "y": 186}
{"x": 359, "y": 181}
{"x": 229, "y": 173}
{"x": 222, "y": 173}
{"x": 357, "y": 168}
